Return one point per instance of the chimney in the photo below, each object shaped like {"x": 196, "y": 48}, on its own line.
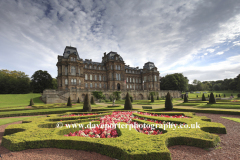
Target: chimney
{"x": 104, "y": 53}
{"x": 90, "y": 60}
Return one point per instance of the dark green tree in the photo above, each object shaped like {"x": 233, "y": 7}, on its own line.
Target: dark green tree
{"x": 224, "y": 95}
{"x": 152, "y": 98}
{"x": 157, "y": 97}
{"x": 219, "y": 95}
{"x": 216, "y": 95}
{"x": 197, "y": 96}
{"x": 78, "y": 101}
{"x": 40, "y": 81}
{"x": 185, "y": 98}
{"x": 31, "y": 102}
{"x": 69, "y": 103}
{"x": 128, "y": 104}
{"x": 203, "y": 97}
{"x": 86, "y": 105}
{"x": 117, "y": 94}
{"x": 131, "y": 98}
{"x": 54, "y": 83}
{"x": 212, "y": 99}
{"x": 98, "y": 94}
{"x": 168, "y": 103}
{"x": 92, "y": 100}
{"x": 149, "y": 98}
{"x": 208, "y": 95}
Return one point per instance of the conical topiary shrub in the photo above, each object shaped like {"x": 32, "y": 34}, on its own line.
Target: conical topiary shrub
{"x": 185, "y": 98}
{"x": 224, "y": 95}
{"x": 182, "y": 96}
{"x": 92, "y": 100}
{"x": 128, "y": 104}
{"x": 203, "y": 97}
{"x": 168, "y": 103}
{"x": 87, "y": 106}
{"x": 216, "y": 95}
{"x": 152, "y": 98}
{"x": 219, "y": 95}
{"x": 78, "y": 101}
{"x": 208, "y": 96}
{"x": 31, "y": 102}
{"x": 231, "y": 94}
{"x": 197, "y": 96}
{"x": 238, "y": 95}
{"x": 157, "y": 97}
{"x": 212, "y": 99}
{"x": 69, "y": 103}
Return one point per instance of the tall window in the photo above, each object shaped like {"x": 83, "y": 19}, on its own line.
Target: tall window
{"x": 100, "y": 77}
{"x": 116, "y": 76}
{"x": 86, "y": 86}
{"x": 111, "y": 67}
{"x": 95, "y": 85}
{"x": 66, "y": 70}
{"x": 85, "y": 66}
{"x": 72, "y": 81}
{"x": 90, "y": 67}
{"x": 136, "y": 80}
{"x": 112, "y": 76}
{"x": 129, "y": 71}
{"x": 66, "y": 81}
{"x": 130, "y": 86}
{"x": 86, "y": 77}
{"x": 133, "y": 80}
{"x": 79, "y": 71}
{"x": 79, "y": 82}
{"x": 130, "y": 79}
{"x": 90, "y": 85}
{"x": 116, "y": 67}
{"x": 99, "y": 68}
{"x": 104, "y": 78}
{"x": 100, "y": 85}
{"x": 145, "y": 78}
{"x": 127, "y": 85}
{"x": 155, "y": 78}
{"x": 104, "y": 85}
{"x": 95, "y": 67}
{"x": 90, "y": 77}
{"x": 119, "y": 77}
{"x": 127, "y": 79}
{"x": 73, "y": 70}
{"x": 132, "y": 71}
{"x": 95, "y": 77}
{"x": 126, "y": 71}
{"x": 71, "y": 58}
{"x": 119, "y": 67}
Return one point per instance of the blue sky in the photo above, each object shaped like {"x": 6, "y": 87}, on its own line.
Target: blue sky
{"x": 199, "y": 38}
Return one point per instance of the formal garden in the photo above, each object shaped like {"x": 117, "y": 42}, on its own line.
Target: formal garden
{"x": 127, "y": 129}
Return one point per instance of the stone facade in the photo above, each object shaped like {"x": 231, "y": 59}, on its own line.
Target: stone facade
{"x": 76, "y": 77}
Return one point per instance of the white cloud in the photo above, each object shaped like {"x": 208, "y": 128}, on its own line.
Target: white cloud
{"x": 205, "y": 54}
{"x": 210, "y": 50}
{"x": 236, "y": 43}
{"x": 219, "y": 53}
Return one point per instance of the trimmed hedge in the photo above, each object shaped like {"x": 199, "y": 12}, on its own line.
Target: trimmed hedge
{"x": 129, "y": 145}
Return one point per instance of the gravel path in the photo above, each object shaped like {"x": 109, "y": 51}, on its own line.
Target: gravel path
{"x": 230, "y": 147}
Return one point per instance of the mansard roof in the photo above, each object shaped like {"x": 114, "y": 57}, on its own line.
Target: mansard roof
{"x": 87, "y": 61}
{"x": 70, "y": 50}
{"x": 111, "y": 55}
{"x": 149, "y": 65}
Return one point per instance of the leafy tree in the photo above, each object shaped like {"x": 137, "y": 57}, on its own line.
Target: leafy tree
{"x": 128, "y": 104}
{"x": 212, "y": 99}
{"x": 203, "y": 97}
{"x": 98, "y": 94}
{"x": 86, "y": 105}
{"x": 168, "y": 103}
{"x": 69, "y": 103}
{"x": 40, "y": 81}
{"x": 14, "y": 82}
{"x": 117, "y": 94}
{"x": 31, "y": 102}
{"x": 92, "y": 100}
{"x": 157, "y": 97}
{"x": 152, "y": 98}
{"x": 54, "y": 83}
{"x": 185, "y": 98}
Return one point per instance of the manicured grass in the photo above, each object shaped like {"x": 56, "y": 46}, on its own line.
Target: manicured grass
{"x": 11, "y": 120}
{"x": 143, "y": 102}
{"x": 232, "y": 119}
{"x": 227, "y": 93}
{"x": 15, "y": 100}
{"x": 225, "y": 106}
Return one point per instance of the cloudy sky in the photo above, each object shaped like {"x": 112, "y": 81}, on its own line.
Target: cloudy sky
{"x": 199, "y": 38}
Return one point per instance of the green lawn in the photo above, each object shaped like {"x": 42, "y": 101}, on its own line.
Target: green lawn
{"x": 232, "y": 119}
{"x": 227, "y": 93}
{"x": 11, "y": 120}
{"x": 143, "y": 102}
{"x": 16, "y": 100}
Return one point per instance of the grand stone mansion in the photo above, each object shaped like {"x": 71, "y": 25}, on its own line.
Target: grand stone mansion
{"x": 76, "y": 77}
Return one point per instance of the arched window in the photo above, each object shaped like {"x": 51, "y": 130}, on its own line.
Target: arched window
{"x": 90, "y": 77}
{"x": 126, "y": 71}
{"x": 86, "y": 77}
{"x": 90, "y": 67}
{"x": 66, "y": 81}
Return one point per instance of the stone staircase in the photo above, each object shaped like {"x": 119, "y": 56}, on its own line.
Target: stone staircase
{"x": 61, "y": 95}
